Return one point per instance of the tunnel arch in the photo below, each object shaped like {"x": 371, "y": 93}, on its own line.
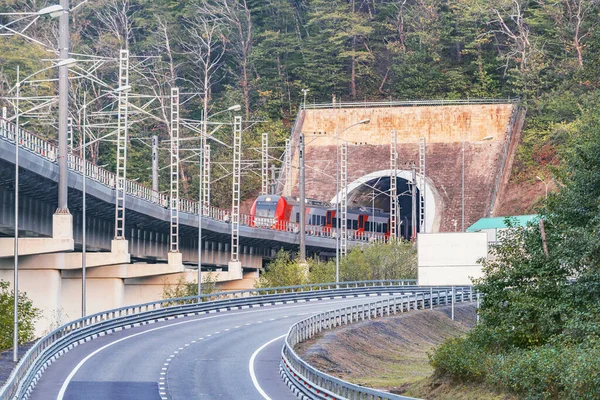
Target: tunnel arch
{"x": 432, "y": 206}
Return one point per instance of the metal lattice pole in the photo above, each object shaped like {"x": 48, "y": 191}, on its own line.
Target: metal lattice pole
{"x": 70, "y": 129}
{"x": 344, "y": 199}
{"x": 206, "y": 178}
{"x": 155, "y": 163}
{"x": 235, "y": 198}
{"x": 121, "y": 145}
{"x": 265, "y": 164}
{"x": 422, "y": 172}
{"x": 288, "y": 167}
{"x": 174, "y": 198}
{"x": 302, "y": 201}
{"x": 200, "y": 207}
{"x": 393, "y": 188}
{"x": 413, "y": 222}
{"x": 206, "y": 157}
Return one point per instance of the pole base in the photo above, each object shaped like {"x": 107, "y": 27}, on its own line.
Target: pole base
{"x": 62, "y": 225}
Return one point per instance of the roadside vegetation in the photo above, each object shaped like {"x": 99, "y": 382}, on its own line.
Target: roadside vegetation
{"x": 370, "y": 262}
{"x": 28, "y": 314}
{"x": 539, "y": 335}
{"x": 185, "y": 288}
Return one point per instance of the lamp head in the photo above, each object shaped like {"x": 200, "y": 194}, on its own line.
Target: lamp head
{"x": 54, "y": 11}
{"x": 485, "y": 139}
{"x": 235, "y": 107}
{"x": 67, "y": 62}
{"x": 123, "y": 89}
{"x": 365, "y": 121}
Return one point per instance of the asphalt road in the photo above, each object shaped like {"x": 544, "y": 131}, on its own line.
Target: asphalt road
{"x": 227, "y": 355}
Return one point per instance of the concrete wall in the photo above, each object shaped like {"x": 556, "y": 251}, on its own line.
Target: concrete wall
{"x": 444, "y": 127}
{"x": 450, "y": 258}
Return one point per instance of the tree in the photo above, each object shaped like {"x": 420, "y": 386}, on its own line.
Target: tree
{"x": 28, "y": 315}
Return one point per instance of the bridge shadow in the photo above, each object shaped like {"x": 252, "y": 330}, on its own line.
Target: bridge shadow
{"x": 94, "y": 390}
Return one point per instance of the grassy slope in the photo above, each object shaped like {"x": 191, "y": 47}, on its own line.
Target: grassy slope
{"x": 391, "y": 353}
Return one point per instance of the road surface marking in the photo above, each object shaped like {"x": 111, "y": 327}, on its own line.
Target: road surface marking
{"x": 251, "y": 367}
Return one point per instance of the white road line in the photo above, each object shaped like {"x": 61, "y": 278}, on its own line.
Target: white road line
{"x": 65, "y": 384}
{"x": 251, "y": 367}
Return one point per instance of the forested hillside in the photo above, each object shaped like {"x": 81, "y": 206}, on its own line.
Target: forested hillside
{"x": 261, "y": 53}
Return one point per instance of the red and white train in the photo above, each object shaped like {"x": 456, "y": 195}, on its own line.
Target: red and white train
{"x": 282, "y": 213}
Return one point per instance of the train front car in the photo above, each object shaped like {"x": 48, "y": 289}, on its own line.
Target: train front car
{"x": 270, "y": 211}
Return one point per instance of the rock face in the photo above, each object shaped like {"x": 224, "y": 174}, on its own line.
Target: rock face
{"x": 487, "y": 162}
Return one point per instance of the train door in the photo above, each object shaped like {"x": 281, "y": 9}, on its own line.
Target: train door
{"x": 362, "y": 219}
{"x": 329, "y": 220}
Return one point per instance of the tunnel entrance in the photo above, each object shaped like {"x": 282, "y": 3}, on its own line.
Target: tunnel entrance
{"x": 375, "y": 194}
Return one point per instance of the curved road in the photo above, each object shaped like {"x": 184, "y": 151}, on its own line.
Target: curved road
{"x": 226, "y": 355}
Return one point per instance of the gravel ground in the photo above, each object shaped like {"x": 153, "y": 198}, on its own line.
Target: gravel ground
{"x": 6, "y": 362}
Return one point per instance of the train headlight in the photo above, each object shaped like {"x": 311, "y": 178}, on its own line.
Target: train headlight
{"x": 268, "y": 199}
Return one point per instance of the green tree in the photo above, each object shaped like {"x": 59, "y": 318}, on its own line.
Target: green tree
{"x": 28, "y": 315}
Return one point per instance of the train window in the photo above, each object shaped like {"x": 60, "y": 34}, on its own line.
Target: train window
{"x": 329, "y": 218}
{"x": 368, "y": 226}
{"x": 355, "y": 224}
{"x": 265, "y": 209}
{"x": 385, "y": 228}
{"x": 323, "y": 220}
{"x": 335, "y": 223}
{"x": 297, "y": 216}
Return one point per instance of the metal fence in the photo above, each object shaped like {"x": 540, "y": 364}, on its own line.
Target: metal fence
{"x": 319, "y": 385}
{"x": 48, "y": 151}
{"x": 408, "y": 103}
{"x": 38, "y": 358}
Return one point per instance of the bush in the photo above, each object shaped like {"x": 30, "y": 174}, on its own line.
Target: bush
{"x": 185, "y": 288}
{"x": 28, "y": 314}
{"x": 459, "y": 359}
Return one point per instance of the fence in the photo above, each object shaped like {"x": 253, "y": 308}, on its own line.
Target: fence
{"x": 39, "y": 357}
{"x": 409, "y": 103}
{"x": 48, "y": 151}
{"x": 319, "y": 385}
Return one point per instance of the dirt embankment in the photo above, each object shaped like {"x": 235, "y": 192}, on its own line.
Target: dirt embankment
{"x": 391, "y": 353}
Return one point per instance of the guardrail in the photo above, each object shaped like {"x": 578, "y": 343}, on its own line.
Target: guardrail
{"x": 38, "y": 358}
{"x": 408, "y": 103}
{"x": 319, "y": 385}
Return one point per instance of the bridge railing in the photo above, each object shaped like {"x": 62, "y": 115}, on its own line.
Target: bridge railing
{"x": 93, "y": 172}
{"x": 319, "y": 385}
{"x": 30, "y": 368}
{"x": 408, "y": 103}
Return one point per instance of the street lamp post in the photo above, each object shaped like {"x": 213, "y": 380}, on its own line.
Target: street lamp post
{"x": 337, "y": 198}
{"x": 16, "y": 250}
{"x": 545, "y": 184}
{"x": 63, "y": 108}
{"x": 83, "y": 222}
{"x": 304, "y": 91}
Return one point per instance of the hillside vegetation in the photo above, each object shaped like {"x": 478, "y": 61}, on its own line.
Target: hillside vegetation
{"x": 540, "y": 316}
{"x": 260, "y": 54}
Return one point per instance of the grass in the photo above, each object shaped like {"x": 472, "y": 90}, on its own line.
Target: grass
{"x": 391, "y": 354}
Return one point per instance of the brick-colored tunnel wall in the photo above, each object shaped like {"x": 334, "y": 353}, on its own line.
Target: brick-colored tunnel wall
{"x": 443, "y": 127}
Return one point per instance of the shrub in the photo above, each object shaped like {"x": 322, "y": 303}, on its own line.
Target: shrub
{"x": 459, "y": 359}
{"x": 28, "y": 314}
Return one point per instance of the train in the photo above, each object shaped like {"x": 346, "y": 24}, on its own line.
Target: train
{"x": 283, "y": 213}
